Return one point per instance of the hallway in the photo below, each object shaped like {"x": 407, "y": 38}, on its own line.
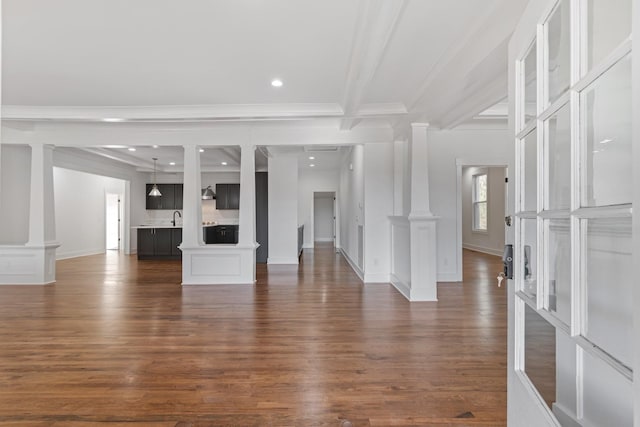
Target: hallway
{"x": 118, "y": 340}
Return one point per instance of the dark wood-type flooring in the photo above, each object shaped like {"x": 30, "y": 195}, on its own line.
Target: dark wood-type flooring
{"x": 120, "y": 341}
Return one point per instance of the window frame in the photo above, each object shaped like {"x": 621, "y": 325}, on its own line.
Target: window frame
{"x": 475, "y": 203}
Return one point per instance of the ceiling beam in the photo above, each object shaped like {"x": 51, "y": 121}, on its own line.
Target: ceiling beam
{"x": 378, "y": 20}
{"x": 469, "y": 65}
{"x": 232, "y": 153}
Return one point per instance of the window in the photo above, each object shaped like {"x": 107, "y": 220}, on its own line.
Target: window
{"x": 479, "y": 195}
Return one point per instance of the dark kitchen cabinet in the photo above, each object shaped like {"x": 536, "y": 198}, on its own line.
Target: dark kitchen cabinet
{"x": 262, "y": 216}
{"x": 227, "y": 196}
{"x": 221, "y": 234}
{"x": 176, "y": 240}
{"x": 171, "y": 197}
{"x": 146, "y": 242}
{"x": 159, "y": 243}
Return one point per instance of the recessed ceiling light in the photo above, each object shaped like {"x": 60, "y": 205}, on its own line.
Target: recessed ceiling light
{"x": 224, "y": 163}
{"x": 311, "y": 158}
{"x": 606, "y": 141}
{"x": 202, "y": 150}
{"x": 155, "y": 146}
{"x": 132, "y": 149}
{"x": 311, "y": 165}
{"x": 172, "y": 163}
{"x": 112, "y": 120}
{"x": 276, "y": 83}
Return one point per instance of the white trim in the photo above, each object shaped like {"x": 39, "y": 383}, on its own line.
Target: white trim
{"x": 353, "y": 265}
{"x": 80, "y": 253}
{"x": 482, "y": 249}
{"x": 323, "y": 239}
{"x": 565, "y": 418}
{"x": 444, "y": 276}
{"x": 377, "y": 278}
{"x": 169, "y": 112}
{"x": 282, "y": 260}
{"x": 401, "y": 287}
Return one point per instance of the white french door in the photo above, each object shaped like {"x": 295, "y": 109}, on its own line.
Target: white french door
{"x": 571, "y": 317}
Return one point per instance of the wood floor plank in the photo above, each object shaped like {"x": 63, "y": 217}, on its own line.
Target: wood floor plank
{"x": 119, "y": 341}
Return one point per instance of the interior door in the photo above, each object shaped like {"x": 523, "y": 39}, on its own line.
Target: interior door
{"x": 571, "y": 301}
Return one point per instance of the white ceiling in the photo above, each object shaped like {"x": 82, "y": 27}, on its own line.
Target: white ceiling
{"x": 345, "y": 64}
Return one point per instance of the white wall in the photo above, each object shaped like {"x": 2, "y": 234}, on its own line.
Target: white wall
{"x": 378, "y": 206}
{"x": 82, "y": 161}
{"x": 481, "y": 146}
{"x": 15, "y": 180}
{"x": 323, "y": 218}
{"x": 351, "y": 205}
{"x": 283, "y": 209}
{"x": 80, "y": 211}
{"x": 310, "y": 181}
{"x": 491, "y": 241}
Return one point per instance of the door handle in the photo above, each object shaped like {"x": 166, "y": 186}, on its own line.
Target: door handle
{"x": 507, "y": 261}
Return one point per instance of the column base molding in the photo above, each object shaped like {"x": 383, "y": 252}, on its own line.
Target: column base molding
{"x": 413, "y": 256}
{"x": 219, "y": 265}
{"x": 28, "y": 264}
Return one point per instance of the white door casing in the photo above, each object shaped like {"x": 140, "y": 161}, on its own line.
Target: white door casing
{"x": 571, "y": 312}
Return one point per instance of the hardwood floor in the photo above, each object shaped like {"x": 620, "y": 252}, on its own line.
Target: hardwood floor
{"x": 119, "y": 341}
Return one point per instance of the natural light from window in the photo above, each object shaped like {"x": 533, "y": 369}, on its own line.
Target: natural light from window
{"x": 479, "y": 195}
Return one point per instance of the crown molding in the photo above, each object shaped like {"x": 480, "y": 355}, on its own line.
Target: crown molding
{"x": 109, "y": 114}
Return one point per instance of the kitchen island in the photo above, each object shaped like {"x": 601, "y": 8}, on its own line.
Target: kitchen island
{"x": 159, "y": 241}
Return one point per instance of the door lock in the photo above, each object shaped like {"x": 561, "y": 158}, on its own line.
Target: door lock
{"x": 507, "y": 220}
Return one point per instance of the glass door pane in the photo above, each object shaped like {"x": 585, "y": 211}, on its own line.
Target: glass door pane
{"x": 558, "y": 158}
{"x": 528, "y": 251}
{"x": 530, "y": 86}
{"x": 529, "y": 170}
{"x": 540, "y": 354}
{"x": 558, "y": 255}
{"x": 609, "y": 24}
{"x": 609, "y": 286}
{"x": 559, "y": 57}
{"x": 607, "y": 135}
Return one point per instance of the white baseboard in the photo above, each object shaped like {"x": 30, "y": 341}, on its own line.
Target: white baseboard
{"x": 447, "y": 277}
{"x": 564, "y": 416}
{"x": 282, "y": 260}
{"x": 324, "y": 239}
{"x": 377, "y": 278}
{"x": 353, "y": 265}
{"x": 489, "y": 251}
{"x": 401, "y": 287}
{"x": 76, "y": 254}
{"x": 307, "y": 246}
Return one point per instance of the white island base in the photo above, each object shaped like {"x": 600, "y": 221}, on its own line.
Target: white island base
{"x": 220, "y": 264}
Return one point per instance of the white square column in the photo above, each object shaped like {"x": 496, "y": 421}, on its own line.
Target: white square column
{"x": 218, "y": 264}
{"x": 247, "y": 217}
{"x": 34, "y": 263}
{"x": 422, "y": 223}
{"x": 192, "y": 199}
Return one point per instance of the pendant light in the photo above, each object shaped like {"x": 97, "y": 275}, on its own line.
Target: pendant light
{"x": 154, "y": 190}
{"x": 208, "y": 194}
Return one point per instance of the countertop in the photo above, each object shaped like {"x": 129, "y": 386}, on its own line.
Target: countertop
{"x": 172, "y": 226}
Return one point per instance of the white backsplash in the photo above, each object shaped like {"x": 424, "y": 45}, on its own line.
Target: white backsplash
{"x": 209, "y": 215}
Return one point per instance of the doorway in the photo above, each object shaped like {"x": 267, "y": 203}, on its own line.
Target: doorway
{"x": 113, "y": 220}
{"x": 483, "y": 207}
{"x": 482, "y": 200}
{"x": 324, "y": 217}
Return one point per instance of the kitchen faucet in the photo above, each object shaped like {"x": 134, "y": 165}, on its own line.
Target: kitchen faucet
{"x": 174, "y": 217}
